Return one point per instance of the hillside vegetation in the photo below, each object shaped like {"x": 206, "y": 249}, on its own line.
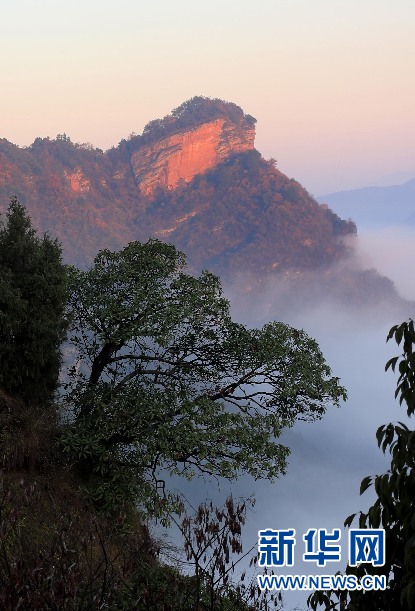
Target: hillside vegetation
{"x": 242, "y": 214}
{"x": 161, "y": 382}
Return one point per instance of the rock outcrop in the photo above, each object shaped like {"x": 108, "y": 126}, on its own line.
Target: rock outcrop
{"x": 181, "y": 156}
{"x": 77, "y": 181}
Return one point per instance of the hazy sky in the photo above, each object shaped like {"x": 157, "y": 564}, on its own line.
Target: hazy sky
{"x": 331, "y": 82}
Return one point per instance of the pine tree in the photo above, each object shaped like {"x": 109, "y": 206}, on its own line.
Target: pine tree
{"x": 33, "y": 294}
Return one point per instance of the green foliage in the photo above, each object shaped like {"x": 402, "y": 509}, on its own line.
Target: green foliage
{"x": 394, "y": 508}
{"x": 168, "y": 383}
{"x": 33, "y": 293}
{"x": 405, "y": 389}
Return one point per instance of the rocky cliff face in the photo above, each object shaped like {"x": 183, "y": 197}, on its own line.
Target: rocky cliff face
{"x": 77, "y": 181}
{"x": 181, "y": 156}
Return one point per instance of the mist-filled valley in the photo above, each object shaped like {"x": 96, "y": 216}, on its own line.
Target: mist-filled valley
{"x": 328, "y": 458}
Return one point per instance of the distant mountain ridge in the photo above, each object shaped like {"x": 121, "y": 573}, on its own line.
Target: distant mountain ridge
{"x": 192, "y": 178}
{"x": 375, "y": 206}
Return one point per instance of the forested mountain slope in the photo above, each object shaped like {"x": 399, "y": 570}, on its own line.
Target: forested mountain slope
{"x": 194, "y": 179}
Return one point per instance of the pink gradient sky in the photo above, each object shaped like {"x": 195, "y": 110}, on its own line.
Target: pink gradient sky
{"x": 332, "y": 83}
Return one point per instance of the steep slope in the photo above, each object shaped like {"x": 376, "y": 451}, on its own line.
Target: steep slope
{"x": 195, "y": 137}
{"x": 182, "y": 156}
{"x": 245, "y": 214}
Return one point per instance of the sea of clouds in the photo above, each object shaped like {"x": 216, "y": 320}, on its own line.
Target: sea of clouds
{"x": 328, "y": 458}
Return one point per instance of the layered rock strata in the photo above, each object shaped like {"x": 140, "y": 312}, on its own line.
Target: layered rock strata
{"x": 181, "y": 156}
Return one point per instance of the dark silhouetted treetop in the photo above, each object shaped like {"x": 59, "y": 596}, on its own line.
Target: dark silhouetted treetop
{"x": 33, "y": 293}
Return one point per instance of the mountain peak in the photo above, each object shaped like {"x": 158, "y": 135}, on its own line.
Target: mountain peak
{"x": 194, "y": 138}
